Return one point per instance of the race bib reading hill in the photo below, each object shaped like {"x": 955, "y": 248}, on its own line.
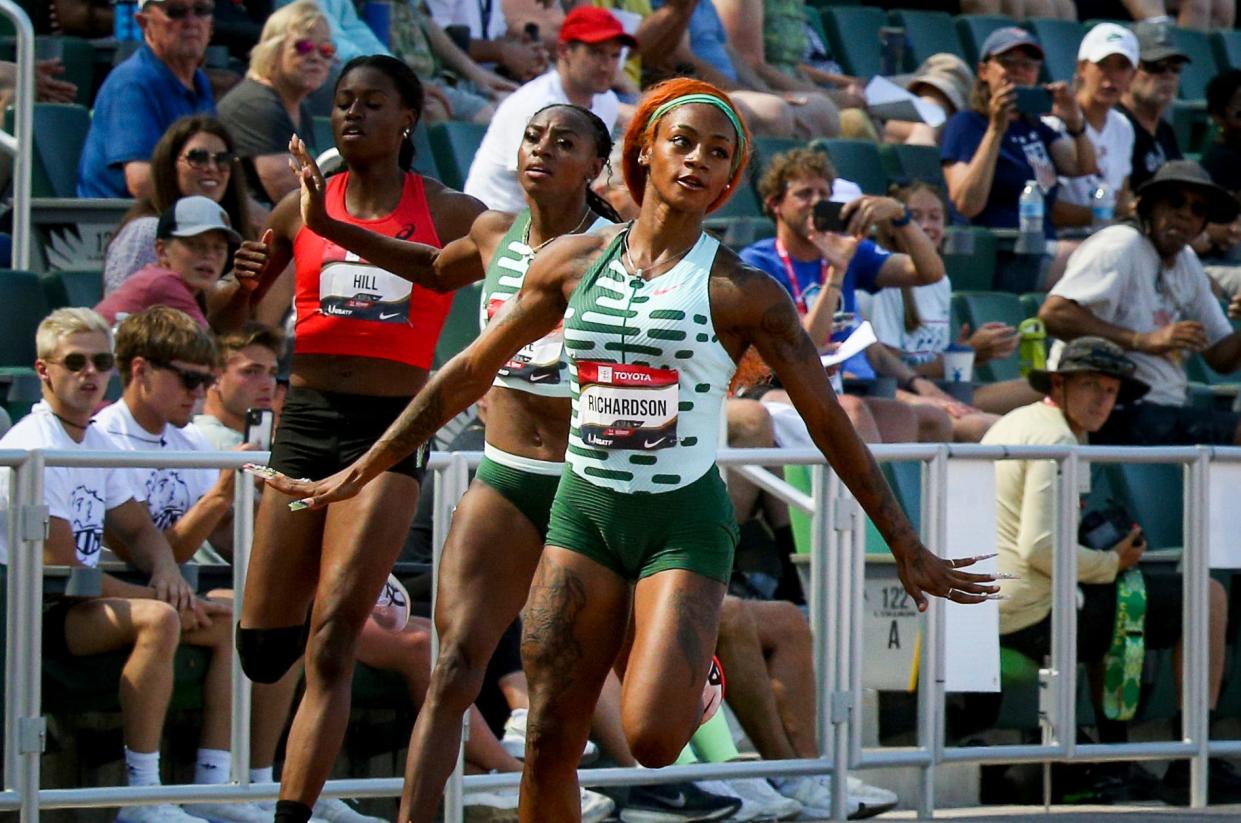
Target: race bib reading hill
{"x": 627, "y": 407}
{"x": 355, "y": 290}
{"x": 537, "y": 362}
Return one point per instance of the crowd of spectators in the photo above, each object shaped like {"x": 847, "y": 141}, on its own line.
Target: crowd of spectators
{"x": 1132, "y": 297}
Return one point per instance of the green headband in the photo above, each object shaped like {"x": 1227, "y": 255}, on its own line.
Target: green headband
{"x": 710, "y": 100}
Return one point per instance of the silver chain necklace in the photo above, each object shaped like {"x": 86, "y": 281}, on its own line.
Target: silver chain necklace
{"x": 525, "y": 236}
{"x": 638, "y": 271}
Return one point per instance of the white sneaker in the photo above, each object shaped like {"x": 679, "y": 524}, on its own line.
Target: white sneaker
{"x": 335, "y": 810}
{"x": 230, "y": 812}
{"x": 814, "y": 792}
{"x": 873, "y": 799}
{"x": 748, "y": 810}
{"x": 757, "y": 793}
{"x": 514, "y": 740}
{"x": 162, "y": 813}
{"x": 499, "y": 806}
{"x": 595, "y": 806}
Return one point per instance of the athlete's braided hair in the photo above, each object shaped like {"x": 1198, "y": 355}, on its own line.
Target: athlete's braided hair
{"x": 603, "y": 150}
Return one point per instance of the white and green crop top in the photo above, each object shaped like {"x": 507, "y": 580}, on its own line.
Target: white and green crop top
{"x": 647, "y": 371}
{"x": 539, "y": 367}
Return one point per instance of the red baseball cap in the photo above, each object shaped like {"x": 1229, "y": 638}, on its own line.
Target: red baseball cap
{"x": 591, "y": 24}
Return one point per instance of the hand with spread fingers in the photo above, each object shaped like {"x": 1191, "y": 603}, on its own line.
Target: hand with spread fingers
{"x": 923, "y": 573}
{"x": 314, "y": 206}
{"x": 317, "y": 494}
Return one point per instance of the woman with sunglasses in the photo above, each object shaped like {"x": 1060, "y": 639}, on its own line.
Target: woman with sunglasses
{"x": 291, "y": 61}
{"x": 196, "y": 156}
{"x": 656, "y": 315}
{"x": 363, "y": 346}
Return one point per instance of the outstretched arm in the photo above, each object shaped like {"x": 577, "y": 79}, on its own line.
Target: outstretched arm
{"x": 534, "y": 312}
{"x": 446, "y": 269}
{"x": 761, "y": 313}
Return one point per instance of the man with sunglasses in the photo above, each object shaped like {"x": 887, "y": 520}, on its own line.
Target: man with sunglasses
{"x": 1141, "y": 286}
{"x": 142, "y": 96}
{"x": 1149, "y": 97}
{"x": 149, "y": 620}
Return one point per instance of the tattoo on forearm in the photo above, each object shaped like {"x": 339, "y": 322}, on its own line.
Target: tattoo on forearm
{"x": 548, "y": 643}
{"x": 416, "y": 425}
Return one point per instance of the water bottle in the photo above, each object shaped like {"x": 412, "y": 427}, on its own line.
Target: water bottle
{"x": 1102, "y": 206}
{"x": 124, "y": 27}
{"x": 1032, "y": 350}
{"x": 1030, "y": 219}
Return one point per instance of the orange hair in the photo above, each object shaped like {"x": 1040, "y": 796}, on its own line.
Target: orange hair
{"x": 641, "y": 130}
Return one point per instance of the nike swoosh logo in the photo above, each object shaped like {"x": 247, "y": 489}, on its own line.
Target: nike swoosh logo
{"x": 677, "y": 801}
{"x": 386, "y": 316}
{"x": 535, "y": 378}
{"x": 650, "y": 444}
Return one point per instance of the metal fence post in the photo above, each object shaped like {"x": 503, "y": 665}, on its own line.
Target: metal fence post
{"x": 29, "y": 560}
{"x": 449, "y": 487}
{"x": 931, "y": 680}
{"x": 243, "y": 538}
{"x": 1196, "y": 660}
{"x": 23, "y": 126}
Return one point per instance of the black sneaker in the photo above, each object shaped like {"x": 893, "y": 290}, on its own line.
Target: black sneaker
{"x": 676, "y": 803}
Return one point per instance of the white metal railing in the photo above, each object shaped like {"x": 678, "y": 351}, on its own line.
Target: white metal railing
{"x": 835, "y": 599}
{"x": 19, "y": 143}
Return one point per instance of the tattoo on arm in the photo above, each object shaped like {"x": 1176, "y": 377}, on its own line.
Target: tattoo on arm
{"x": 416, "y": 425}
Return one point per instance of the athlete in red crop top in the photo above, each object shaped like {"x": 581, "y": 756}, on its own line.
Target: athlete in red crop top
{"x": 364, "y": 343}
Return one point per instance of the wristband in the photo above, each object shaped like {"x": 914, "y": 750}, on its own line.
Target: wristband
{"x": 1075, "y": 134}
{"x": 903, "y": 220}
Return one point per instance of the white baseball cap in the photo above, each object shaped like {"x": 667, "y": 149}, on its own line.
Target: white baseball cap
{"x": 195, "y": 215}
{"x": 1106, "y": 39}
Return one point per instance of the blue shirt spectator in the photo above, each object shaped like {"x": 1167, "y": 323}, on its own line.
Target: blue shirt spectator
{"x": 138, "y": 101}
{"x": 707, "y": 37}
{"x": 862, "y": 273}
{"x": 350, "y": 33}
{"x": 1025, "y": 154}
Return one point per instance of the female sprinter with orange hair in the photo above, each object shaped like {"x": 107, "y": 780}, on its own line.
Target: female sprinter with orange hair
{"x": 656, "y": 314}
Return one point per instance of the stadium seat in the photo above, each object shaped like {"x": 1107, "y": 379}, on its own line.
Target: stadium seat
{"x": 1032, "y": 301}
{"x": 853, "y": 35}
{"x": 22, "y": 388}
{"x": 814, "y": 19}
{"x": 743, "y": 203}
{"x": 927, "y": 33}
{"x": 856, "y": 160}
{"x": 1152, "y": 494}
{"x": 59, "y": 135}
{"x": 1227, "y": 48}
{"x": 1060, "y": 39}
{"x": 461, "y": 327}
{"x": 799, "y": 478}
{"x": 978, "y": 307}
{"x": 765, "y": 148}
{"x": 454, "y": 145}
{"x": 72, "y": 288}
{"x": 1196, "y": 74}
{"x": 974, "y": 28}
{"x": 907, "y": 163}
{"x": 23, "y": 306}
{"x": 970, "y": 260}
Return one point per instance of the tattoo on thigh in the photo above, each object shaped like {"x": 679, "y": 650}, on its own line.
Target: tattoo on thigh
{"x": 696, "y": 620}
{"x": 548, "y": 644}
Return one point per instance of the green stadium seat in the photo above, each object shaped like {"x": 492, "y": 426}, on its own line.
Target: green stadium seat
{"x": 59, "y": 135}
{"x": 856, "y": 160}
{"x": 853, "y": 35}
{"x": 979, "y": 307}
{"x": 974, "y": 28}
{"x": 1152, "y": 493}
{"x": 23, "y": 307}
{"x": 972, "y": 267}
{"x": 1195, "y": 75}
{"x": 1032, "y": 301}
{"x": 1060, "y": 39}
{"x": 454, "y": 145}
{"x": 1227, "y": 48}
{"x": 743, "y": 203}
{"x": 22, "y": 388}
{"x": 72, "y": 288}
{"x": 799, "y": 478}
{"x": 927, "y": 33}
{"x": 461, "y": 327}
{"x": 905, "y": 162}
{"x": 766, "y": 148}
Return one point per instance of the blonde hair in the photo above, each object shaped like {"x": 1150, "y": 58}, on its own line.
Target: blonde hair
{"x": 296, "y": 18}
{"x": 64, "y": 322}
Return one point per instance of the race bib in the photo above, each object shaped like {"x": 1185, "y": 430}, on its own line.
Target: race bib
{"x": 354, "y": 290}
{"x": 537, "y": 362}
{"x": 627, "y": 407}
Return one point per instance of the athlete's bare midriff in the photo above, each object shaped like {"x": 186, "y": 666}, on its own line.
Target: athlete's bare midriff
{"x": 357, "y": 375}
{"x": 527, "y": 425}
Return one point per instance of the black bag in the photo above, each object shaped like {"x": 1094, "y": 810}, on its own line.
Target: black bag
{"x": 1103, "y": 528}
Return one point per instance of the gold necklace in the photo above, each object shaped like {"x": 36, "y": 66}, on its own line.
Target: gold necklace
{"x": 525, "y": 237}
{"x": 638, "y": 271}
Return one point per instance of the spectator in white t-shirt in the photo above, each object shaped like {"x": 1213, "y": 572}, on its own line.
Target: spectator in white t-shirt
{"x": 1142, "y": 287}
{"x": 591, "y": 42}
{"x": 1106, "y": 63}
{"x": 166, "y": 361}
{"x": 74, "y": 362}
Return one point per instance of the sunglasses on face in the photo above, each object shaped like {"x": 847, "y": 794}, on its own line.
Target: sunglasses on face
{"x": 1163, "y": 67}
{"x": 305, "y": 46}
{"x": 76, "y": 361}
{"x": 201, "y": 158}
{"x": 1178, "y": 201}
{"x": 200, "y": 10}
{"x": 191, "y": 380}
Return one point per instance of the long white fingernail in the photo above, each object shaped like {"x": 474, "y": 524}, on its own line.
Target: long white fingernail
{"x": 997, "y": 596}
{"x": 1007, "y": 576}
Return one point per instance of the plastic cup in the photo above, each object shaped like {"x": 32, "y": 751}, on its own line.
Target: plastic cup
{"x": 959, "y": 364}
